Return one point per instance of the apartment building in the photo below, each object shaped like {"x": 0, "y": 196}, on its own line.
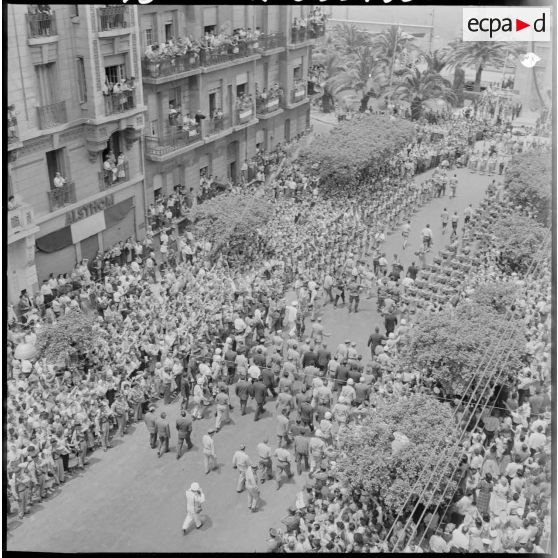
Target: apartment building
{"x": 204, "y": 83}
{"x": 62, "y": 119}
{"x": 91, "y": 135}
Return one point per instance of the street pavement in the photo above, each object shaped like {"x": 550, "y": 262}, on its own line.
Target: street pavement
{"x": 128, "y": 500}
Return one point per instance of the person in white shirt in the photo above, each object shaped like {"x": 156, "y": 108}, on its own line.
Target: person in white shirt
{"x": 59, "y": 181}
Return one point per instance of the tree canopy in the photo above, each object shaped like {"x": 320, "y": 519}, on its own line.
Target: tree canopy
{"x": 497, "y": 296}
{"x": 450, "y": 347}
{"x": 74, "y": 329}
{"x": 370, "y": 462}
{"x": 355, "y": 146}
{"x": 232, "y": 217}
{"x": 519, "y": 240}
{"x": 528, "y": 181}
{"x": 480, "y": 55}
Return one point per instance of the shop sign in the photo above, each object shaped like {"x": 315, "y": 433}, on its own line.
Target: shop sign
{"x": 89, "y": 209}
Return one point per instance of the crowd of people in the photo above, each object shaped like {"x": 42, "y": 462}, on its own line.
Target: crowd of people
{"x": 504, "y": 494}
{"x": 188, "y": 51}
{"x": 190, "y": 326}
{"x": 496, "y": 107}
{"x": 311, "y": 26}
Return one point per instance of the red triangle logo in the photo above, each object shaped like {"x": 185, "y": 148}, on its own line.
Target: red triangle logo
{"x": 519, "y": 25}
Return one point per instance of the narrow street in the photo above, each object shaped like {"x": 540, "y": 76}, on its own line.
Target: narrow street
{"x": 128, "y": 500}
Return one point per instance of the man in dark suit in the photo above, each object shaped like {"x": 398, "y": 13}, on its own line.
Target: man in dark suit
{"x": 390, "y": 321}
{"x": 242, "y": 390}
{"x": 268, "y": 378}
{"x": 258, "y": 391}
{"x": 151, "y": 423}
{"x": 163, "y": 432}
{"x": 375, "y": 339}
{"x": 309, "y": 358}
{"x": 184, "y": 429}
{"x": 324, "y": 356}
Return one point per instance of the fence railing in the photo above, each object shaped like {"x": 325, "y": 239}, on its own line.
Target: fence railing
{"x": 244, "y": 114}
{"x": 299, "y": 35}
{"x": 59, "y": 197}
{"x": 40, "y": 25}
{"x": 119, "y": 102}
{"x": 220, "y": 55}
{"x": 272, "y": 40}
{"x": 217, "y": 125}
{"x": 113, "y": 17}
{"x": 110, "y": 178}
{"x": 298, "y": 94}
{"x": 170, "y": 66}
{"x": 174, "y": 140}
{"x": 52, "y": 115}
{"x": 270, "y": 105}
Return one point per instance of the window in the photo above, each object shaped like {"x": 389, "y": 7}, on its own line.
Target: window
{"x": 169, "y": 31}
{"x": 240, "y": 89}
{"x": 46, "y": 84}
{"x": 204, "y": 171}
{"x": 10, "y": 185}
{"x": 82, "y": 85}
{"x": 56, "y": 162}
{"x": 74, "y": 10}
{"x": 175, "y": 97}
{"x": 297, "y": 72}
{"x": 115, "y": 73}
{"x": 209, "y": 29}
{"x": 148, "y": 34}
{"x": 212, "y": 103}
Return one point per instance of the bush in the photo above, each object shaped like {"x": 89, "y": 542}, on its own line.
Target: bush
{"x": 356, "y": 147}
{"x": 528, "y": 181}
{"x": 369, "y": 464}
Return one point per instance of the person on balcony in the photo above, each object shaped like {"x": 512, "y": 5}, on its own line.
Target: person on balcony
{"x": 120, "y": 167}
{"x": 12, "y": 122}
{"x": 59, "y": 181}
{"x": 11, "y": 203}
{"x": 110, "y": 170}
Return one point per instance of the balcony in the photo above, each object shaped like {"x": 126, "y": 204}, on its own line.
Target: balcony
{"x": 218, "y": 125}
{"x": 298, "y": 94}
{"x": 41, "y": 25}
{"x": 303, "y": 34}
{"x": 112, "y": 18}
{"x": 170, "y": 66}
{"x": 60, "y": 197}
{"x": 20, "y": 219}
{"x": 268, "y": 106}
{"x": 52, "y": 115}
{"x": 177, "y": 139}
{"x": 227, "y": 53}
{"x": 271, "y": 41}
{"x": 244, "y": 114}
{"x": 109, "y": 179}
{"x": 119, "y": 102}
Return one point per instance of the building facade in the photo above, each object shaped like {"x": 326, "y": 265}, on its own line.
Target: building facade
{"x": 202, "y": 83}
{"x": 62, "y": 120}
{"x": 87, "y": 157}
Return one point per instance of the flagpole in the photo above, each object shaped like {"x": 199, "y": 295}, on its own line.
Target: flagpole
{"x": 504, "y": 68}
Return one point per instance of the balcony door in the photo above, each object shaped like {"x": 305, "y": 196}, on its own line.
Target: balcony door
{"x": 114, "y": 144}
{"x": 56, "y": 162}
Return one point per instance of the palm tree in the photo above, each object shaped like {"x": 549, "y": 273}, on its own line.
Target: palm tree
{"x": 418, "y": 87}
{"x": 391, "y": 43}
{"x": 362, "y": 73}
{"x": 348, "y": 38}
{"x": 333, "y": 66}
{"x": 479, "y": 55}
